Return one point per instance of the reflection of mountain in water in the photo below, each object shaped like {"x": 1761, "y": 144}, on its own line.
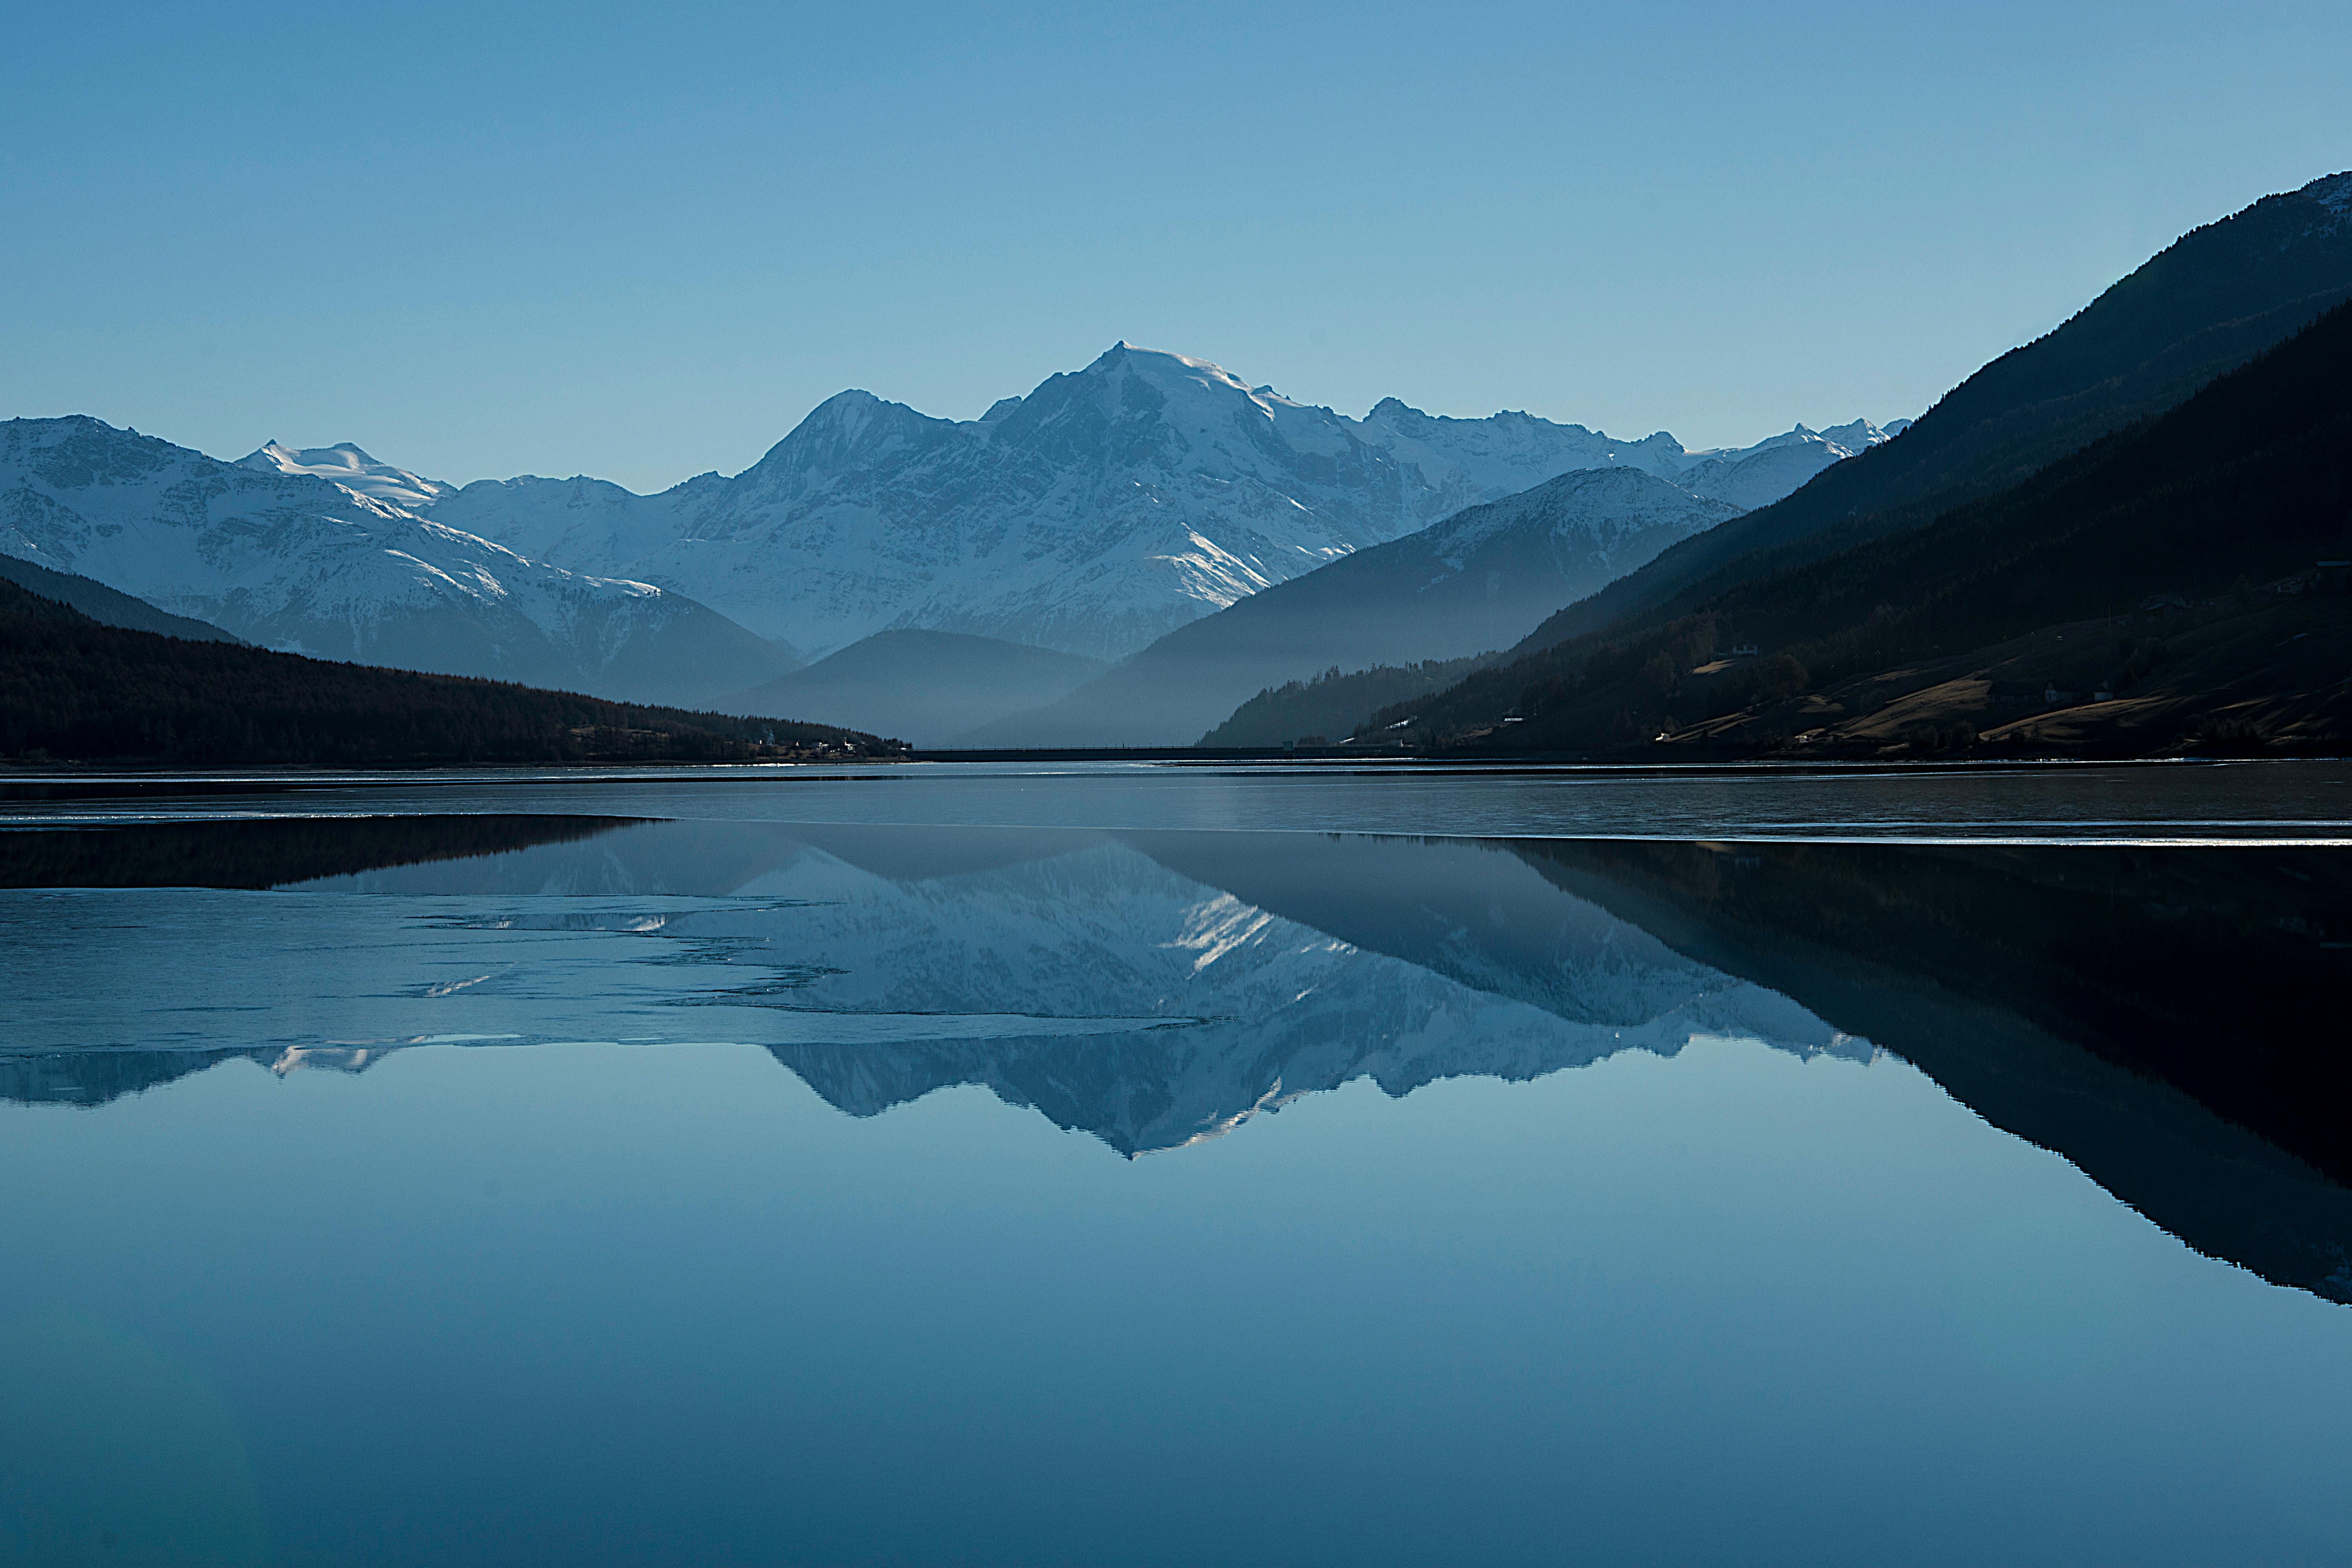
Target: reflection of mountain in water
{"x": 1073, "y": 972}
{"x": 1270, "y": 1007}
{"x": 2169, "y": 1020}
{"x": 2165, "y": 1019}
{"x": 94, "y": 1077}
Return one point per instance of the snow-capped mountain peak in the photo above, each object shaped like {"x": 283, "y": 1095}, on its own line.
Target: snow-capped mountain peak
{"x": 848, "y": 433}
{"x": 1855, "y": 437}
{"x": 1110, "y": 505}
{"x": 1750, "y": 476}
{"x": 346, "y": 465}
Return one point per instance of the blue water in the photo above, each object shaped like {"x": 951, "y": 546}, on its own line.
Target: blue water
{"x": 1186, "y": 1169}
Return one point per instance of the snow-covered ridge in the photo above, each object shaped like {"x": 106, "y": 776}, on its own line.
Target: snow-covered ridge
{"x": 1600, "y": 507}
{"x": 1107, "y": 506}
{"x": 346, "y": 464}
{"x": 294, "y": 560}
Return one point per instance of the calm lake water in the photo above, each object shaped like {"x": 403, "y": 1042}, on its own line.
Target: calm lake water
{"x": 1143, "y": 1165}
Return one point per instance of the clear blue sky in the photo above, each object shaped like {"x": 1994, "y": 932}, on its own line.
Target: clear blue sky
{"x": 642, "y": 241}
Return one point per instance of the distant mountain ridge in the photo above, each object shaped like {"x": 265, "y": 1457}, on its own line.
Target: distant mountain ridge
{"x": 1105, "y": 508}
{"x": 289, "y": 560}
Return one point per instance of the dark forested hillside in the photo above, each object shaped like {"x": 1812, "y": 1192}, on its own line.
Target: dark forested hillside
{"x": 106, "y": 606}
{"x": 2181, "y": 557}
{"x": 73, "y": 690}
{"x": 1329, "y": 707}
{"x": 2208, "y": 302}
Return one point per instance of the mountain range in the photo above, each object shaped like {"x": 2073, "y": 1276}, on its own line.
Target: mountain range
{"x": 297, "y": 562}
{"x": 1105, "y": 508}
{"x": 1215, "y": 540}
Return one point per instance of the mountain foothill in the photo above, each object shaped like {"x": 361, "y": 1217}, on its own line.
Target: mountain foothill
{"x": 2124, "y": 538}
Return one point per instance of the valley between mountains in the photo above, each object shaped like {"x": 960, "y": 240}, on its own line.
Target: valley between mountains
{"x": 1150, "y": 552}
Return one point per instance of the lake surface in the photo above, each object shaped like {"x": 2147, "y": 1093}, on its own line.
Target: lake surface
{"x": 1140, "y": 1165}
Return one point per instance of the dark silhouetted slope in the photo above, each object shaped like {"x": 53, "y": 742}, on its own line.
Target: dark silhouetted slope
{"x": 71, "y": 688}
{"x": 2209, "y": 301}
{"x": 1330, "y": 707}
{"x": 106, "y": 606}
{"x": 2155, "y": 534}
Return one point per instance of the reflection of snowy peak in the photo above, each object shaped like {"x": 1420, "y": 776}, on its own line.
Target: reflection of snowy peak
{"x": 1257, "y": 1008}
{"x": 1107, "y": 506}
{"x": 1115, "y": 983}
{"x": 291, "y": 560}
